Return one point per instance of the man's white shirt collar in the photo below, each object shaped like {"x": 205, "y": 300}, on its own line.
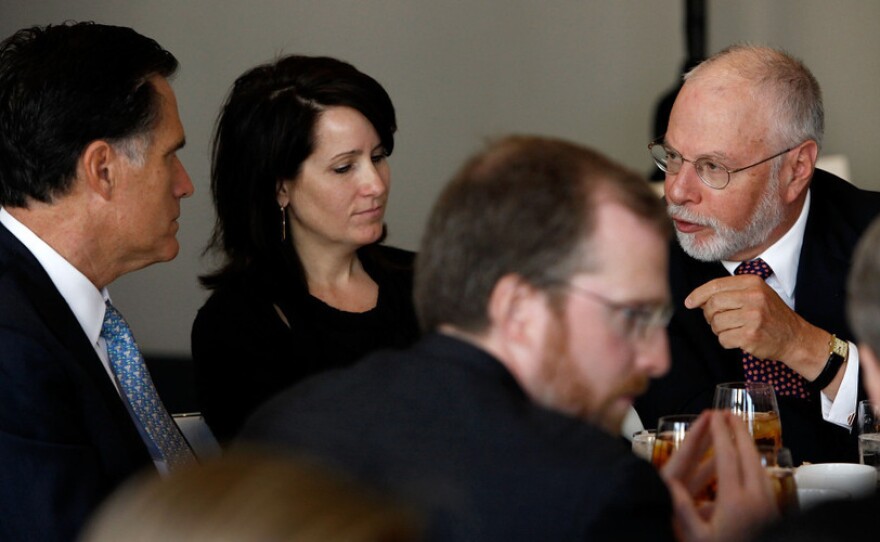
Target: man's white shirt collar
{"x": 783, "y": 257}
{"x": 84, "y": 299}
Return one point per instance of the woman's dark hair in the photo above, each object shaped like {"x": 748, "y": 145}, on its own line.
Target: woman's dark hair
{"x": 265, "y": 132}
{"x": 64, "y": 86}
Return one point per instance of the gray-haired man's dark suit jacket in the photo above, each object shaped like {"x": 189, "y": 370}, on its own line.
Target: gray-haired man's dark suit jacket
{"x": 66, "y": 438}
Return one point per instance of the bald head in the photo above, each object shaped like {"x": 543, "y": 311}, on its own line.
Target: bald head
{"x": 773, "y": 79}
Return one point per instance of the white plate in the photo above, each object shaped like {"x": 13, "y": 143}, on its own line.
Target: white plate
{"x": 857, "y": 480}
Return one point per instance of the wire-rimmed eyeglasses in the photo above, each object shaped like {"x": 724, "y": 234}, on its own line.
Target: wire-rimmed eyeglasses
{"x": 713, "y": 174}
{"x": 636, "y": 322}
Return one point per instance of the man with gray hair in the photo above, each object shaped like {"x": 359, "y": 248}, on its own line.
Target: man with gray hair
{"x": 541, "y": 284}
{"x": 763, "y": 247}
{"x": 90, "y": 189}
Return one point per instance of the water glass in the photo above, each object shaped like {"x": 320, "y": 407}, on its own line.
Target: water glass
{"x": 643, "y": 443}
{"x": 869, "y": 433}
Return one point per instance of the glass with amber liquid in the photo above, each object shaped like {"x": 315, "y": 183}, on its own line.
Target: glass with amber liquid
{"x": 778, "y": 466}
{"x": 671, "y": 432}
{"x": 755, "y": 403}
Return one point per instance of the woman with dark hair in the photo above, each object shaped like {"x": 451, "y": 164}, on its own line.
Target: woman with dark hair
{"x": 300, "y": 181}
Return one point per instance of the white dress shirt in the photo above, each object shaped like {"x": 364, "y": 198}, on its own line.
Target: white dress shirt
{"x": 783, "y": 258}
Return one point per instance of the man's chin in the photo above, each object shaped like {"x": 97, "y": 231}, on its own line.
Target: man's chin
{"x": 166, "y": 253}
{"x": 697, "y": 250}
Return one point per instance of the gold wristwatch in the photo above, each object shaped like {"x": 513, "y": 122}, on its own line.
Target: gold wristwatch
{"x": 838, "y": 351}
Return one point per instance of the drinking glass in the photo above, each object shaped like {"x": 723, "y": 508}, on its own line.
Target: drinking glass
{"x": 779, "y": 467}
{"x": 755, "y": 403}
{"x": 869, "y": 433}
{"x": 643, "y": 443}
{"x": 671, "y": 432}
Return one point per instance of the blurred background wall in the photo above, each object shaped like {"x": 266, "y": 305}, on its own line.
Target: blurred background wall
{"x": 459, "y": 72}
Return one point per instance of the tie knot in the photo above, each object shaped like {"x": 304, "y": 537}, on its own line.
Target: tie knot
{"x": 754, "y": 267}
{"x": 114, "y": 324}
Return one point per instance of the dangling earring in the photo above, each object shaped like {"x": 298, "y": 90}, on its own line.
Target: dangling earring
{"x": 283, "y": 223}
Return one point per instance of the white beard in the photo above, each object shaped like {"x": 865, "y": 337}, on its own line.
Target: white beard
{"x": 727, "y": 241}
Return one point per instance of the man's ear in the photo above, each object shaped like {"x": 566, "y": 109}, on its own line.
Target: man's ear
{"x": 100, "y": 166}
{"x": 802, "y": 167}
{"x": 516, "y": 310}
{"x": 522, "y": 325}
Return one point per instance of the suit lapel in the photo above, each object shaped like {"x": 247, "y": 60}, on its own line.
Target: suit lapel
{"x": 823, "y": 267}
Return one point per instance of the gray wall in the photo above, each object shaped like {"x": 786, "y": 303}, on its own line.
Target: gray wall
{"x": 462, "y": 71}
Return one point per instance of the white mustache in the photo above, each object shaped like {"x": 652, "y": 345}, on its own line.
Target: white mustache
{"x": 680, "y": 212}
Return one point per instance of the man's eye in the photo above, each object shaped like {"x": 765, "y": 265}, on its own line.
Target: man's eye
{"x": 638, "y": 315}
{"x": 712, "y": 166}
{"x": 631, "y": 316}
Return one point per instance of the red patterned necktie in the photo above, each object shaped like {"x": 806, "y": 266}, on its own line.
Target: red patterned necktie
{"x": 784, "y": 380}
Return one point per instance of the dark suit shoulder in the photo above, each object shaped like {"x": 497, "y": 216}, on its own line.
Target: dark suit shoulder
{"x": 855, "y": 205}
{"x": 445, "y": 425}
{"x": 828, "y": 184}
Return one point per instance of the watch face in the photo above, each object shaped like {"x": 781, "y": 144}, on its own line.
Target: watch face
{"x": 839, "y": 347}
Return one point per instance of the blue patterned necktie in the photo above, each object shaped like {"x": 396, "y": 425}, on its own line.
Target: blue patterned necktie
{"x": 784, "y": 380}
{"x": 138, "y": 389}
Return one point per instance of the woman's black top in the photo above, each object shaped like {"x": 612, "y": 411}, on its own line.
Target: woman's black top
{"x": 244, "y": 353}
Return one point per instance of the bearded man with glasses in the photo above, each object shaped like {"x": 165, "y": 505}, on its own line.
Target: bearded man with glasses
{"x": 764, "y": 242}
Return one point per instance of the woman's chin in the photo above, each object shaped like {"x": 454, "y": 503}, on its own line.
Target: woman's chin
{"x": 371, "y": 235}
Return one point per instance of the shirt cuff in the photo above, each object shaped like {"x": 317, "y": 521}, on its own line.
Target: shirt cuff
{"x": 842, "y": 410}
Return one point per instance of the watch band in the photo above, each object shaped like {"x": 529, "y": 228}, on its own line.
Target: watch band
{"x": 838, "y": 351}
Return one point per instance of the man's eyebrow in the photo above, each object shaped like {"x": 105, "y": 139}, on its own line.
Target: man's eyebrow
{"x": 721, "y": 155}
